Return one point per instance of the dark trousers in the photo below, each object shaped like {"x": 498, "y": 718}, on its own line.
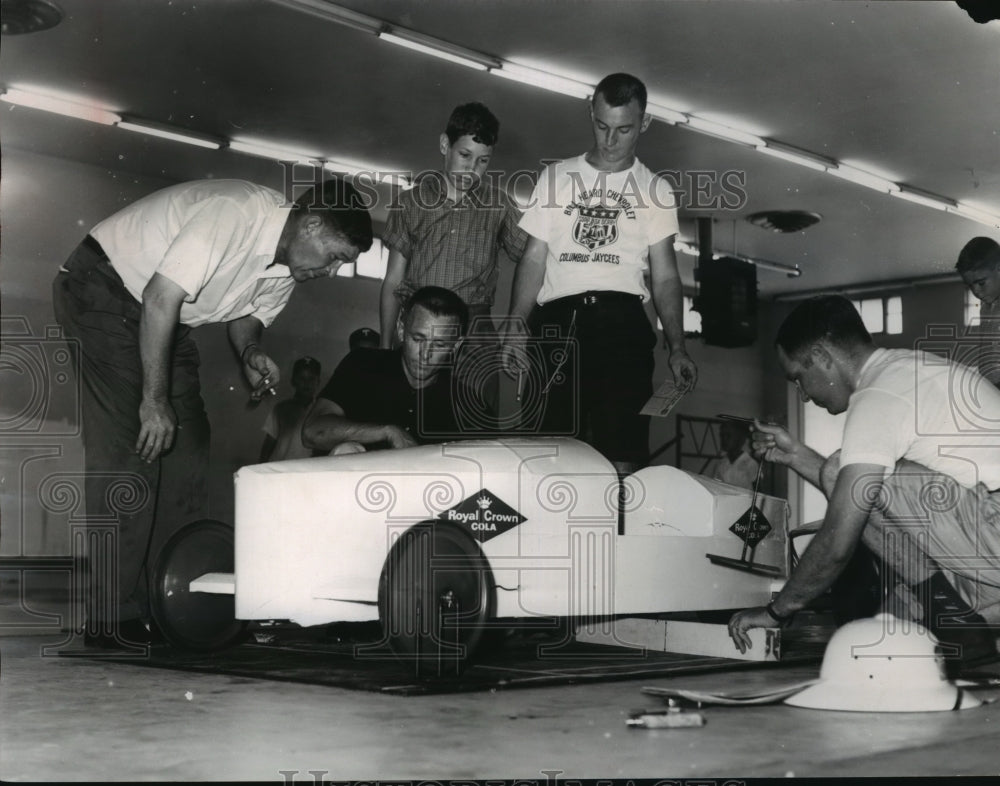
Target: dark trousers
{"x": 132, "y": 506}
{"x": 597, "y": 353}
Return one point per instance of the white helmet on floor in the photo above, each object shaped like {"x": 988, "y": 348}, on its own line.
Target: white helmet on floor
{"x": 883, "y": 664}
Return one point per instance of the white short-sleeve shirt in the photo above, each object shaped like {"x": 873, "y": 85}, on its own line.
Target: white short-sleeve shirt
{"x": 216, "y": 239}
{"x": 598, "y": 226}
{"x": 927, "y": 409}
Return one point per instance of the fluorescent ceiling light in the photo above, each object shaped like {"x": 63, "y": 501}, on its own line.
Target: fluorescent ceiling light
{"x": 665, "y": 114}
{"x": 922, "y": 199}
{"x": 69, "y": 106}
{"x": 728, "y": 133}
{"x": 863, "y": 178}
{"x": 144, "y": 127}
{"x": 334, "y": 13}
{"x": 429, "y": 49}
{"x": 536, "y": 78}
{"x": 370, "y": 172}
{"x": 271, "y": 151}
{"x": 974, "y": 214}
{"x": 792, "y": 271}
{"x": 801, "y": 158}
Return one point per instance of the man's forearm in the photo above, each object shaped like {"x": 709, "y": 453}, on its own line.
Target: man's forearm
{"x": 156, "y": 330}
{"x": 832, "y": 546}
{"x": 808, "y": 463}
{"x": 327, "y": 431}
{"x": 528, "y": 278}
{"x": 668, "y": 298}
{"x": 388, "y": 314}
{"x": 244, "y": 332}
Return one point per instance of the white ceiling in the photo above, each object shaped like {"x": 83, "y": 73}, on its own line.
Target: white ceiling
{"x": 908, "y": 88}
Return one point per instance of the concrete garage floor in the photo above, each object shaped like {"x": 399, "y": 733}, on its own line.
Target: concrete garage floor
{"x": 74, "y": 719}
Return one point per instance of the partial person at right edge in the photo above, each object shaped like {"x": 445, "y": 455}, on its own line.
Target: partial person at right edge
{"x": 917, "y": 479}
{"x": 396, "y": 398}
{"x": 979, "y": 266}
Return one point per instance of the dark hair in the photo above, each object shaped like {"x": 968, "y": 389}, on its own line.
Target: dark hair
{"x": 342, "y": 209}
{"x": 306, "y": 363}
{"x": 440, "y": 302}
{"x": 474, "y": 120}
{"x": 621, "y": 89}
{"x": 830, "y": 317}
{"x": 978, "y": 253}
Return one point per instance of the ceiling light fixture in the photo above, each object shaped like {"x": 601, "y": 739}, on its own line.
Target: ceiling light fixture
{"x": 973, "y": 213}
{"x": 369, "y": 172}
{"x": 264, "y": 150}
{"x": 863, "y": 178}
{"x": 873, "y": 287}
{"x": 927, "y": 200}
{"x": 665, "y": 114}
{"x": 76, "y": 107}
{"x": 433, "y": 48}
{"x": 334, "y": 13}
{"x": 18, "y": 17}
{"x": 728, "y": 133}
{"x": 795, "y": 156}
{"x": 165, "y": 132}
{"x": 792, "y": 271}
{"x": 536, "y": 78}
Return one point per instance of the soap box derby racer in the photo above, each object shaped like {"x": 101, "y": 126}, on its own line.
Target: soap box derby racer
{"x": 442, "y": 542}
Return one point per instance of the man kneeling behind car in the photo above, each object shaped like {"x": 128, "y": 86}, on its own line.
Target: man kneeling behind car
{"x": 395, "y": 398}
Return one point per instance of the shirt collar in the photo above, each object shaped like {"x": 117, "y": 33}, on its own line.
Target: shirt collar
{"x": 267, "y": 242}
{"x": 433, "y": 187}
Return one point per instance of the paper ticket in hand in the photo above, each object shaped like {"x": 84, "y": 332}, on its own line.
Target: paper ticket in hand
{"x": 663, "y": 399}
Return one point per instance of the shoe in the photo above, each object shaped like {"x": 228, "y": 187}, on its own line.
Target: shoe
{"x": 965, "y": 637}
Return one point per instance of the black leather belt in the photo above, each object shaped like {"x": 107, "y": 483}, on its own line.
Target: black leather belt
{"x": 593, "y": 298}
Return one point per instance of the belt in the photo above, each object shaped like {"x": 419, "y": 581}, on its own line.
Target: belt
{"x": 593, "y": 298}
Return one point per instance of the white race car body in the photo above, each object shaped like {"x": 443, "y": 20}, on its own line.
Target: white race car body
{"x": 312, "y": 535}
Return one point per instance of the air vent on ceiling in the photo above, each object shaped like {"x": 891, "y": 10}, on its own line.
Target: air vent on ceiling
{"x": 27, "y": 16}
{"x": 784, "y": 220}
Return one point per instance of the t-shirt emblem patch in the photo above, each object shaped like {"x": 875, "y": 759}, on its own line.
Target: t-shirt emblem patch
{"x": 596, "y": 227}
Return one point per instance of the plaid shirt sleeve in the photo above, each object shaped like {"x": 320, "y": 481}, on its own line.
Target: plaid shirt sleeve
{"x": 512, "y": 238}
{"x": 397, "y": 231}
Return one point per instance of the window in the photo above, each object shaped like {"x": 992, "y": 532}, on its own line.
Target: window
{"x": 881, "y": 314}
{"x": 971, "y": 309}
{"x": 371, "y": 264}
{"x": 692, "y": 319}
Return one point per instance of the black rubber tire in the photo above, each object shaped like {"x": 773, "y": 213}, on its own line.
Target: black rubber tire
{"x": 196, "y": 620}
{"x": 435, "y": 595}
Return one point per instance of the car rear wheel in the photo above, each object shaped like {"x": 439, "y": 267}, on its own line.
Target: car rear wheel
{"x": 436, "y": 594}
{"x": 196, "y": 620}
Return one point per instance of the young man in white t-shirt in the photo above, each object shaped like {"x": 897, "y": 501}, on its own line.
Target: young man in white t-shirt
{"x": 598, "y": 223}
{"x": 917, "y": 478}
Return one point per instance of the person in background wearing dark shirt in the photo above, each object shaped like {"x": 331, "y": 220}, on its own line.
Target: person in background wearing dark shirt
{"x": 395, "y": 398}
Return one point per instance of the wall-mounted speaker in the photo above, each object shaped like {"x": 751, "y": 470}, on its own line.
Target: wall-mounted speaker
{"x": 727, "y": 302}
